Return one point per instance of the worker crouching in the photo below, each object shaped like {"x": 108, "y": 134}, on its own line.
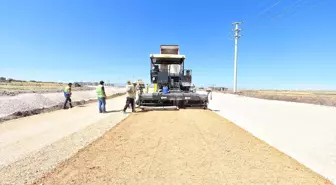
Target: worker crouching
{"x": 131, "y": 94}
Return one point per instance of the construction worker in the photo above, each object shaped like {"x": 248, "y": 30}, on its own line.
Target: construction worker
{"x": 101, "y": 95}
{"x": 140, "y": 88}
{"x": 67, "y": 95}
{"x": 147, "y": 88}
{"x": 131, "y": 95}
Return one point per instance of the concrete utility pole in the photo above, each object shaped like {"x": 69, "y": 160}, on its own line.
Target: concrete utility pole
{"x": 237, "y": 36}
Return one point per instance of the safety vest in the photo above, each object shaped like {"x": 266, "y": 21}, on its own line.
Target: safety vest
{"x": 66, "y": 91}
{"x": 99, "y": 92}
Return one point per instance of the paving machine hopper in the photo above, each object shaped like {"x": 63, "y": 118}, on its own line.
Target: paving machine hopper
{"x": 173, "y": 87}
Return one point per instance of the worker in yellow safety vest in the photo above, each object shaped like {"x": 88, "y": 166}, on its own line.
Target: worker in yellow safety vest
{"x": 101, "y": 95}
{"x": 67, "y": 95}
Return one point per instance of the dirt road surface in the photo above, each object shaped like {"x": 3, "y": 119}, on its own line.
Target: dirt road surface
{"x": 180, "y": 147}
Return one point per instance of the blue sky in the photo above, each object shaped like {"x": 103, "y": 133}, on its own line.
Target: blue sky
{"x": 286, "y": 44}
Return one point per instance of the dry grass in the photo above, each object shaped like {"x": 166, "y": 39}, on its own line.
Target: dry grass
{"x": 327, "y": 98}
{"x": 293, "y": 93}
{"x": 30, "y": 85}
{"x": 14, "y": 88}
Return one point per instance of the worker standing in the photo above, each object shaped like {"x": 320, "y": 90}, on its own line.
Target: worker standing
{"x": 131, "y": 94}
{"x": 67, "y": 95}
{"x": 100, "y": 90}
{"x": 147, "y": 87}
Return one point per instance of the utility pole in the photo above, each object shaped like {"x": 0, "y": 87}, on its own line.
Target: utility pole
{"x": 237, "y": 36}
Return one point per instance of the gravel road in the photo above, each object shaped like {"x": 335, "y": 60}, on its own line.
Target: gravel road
{"x": 180, "y": 147}
{"x": 31, "y": 146}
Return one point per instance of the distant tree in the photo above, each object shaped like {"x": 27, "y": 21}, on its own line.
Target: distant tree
{"x": 2, "y": 79}
{"x": 10, "y": 80}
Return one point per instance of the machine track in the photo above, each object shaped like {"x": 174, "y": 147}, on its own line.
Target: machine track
{"x": 180, "y": 147}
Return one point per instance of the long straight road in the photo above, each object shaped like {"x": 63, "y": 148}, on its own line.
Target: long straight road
{"x": 180, "y": 147}
{"x": 168, "y": 147}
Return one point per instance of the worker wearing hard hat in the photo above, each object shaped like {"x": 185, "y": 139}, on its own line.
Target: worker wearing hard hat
{"x": 131, "y": 94}
{"x": 101, "y": 95}
{"x": 67, "y": 95}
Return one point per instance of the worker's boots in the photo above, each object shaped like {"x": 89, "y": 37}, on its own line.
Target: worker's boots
{"x": 64, "y": 107}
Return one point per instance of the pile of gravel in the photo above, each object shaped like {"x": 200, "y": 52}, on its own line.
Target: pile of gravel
{"x": 27, "y": 104}
{"x": 37, "y": 100}
{"x": 23, "y": 103}
{"x": 11, "y": 106}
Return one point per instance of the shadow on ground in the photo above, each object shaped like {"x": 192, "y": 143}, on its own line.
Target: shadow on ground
{"x": 111, "y": 111}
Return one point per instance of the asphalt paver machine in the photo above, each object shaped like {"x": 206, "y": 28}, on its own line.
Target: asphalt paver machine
{"x": 172, "y": 83}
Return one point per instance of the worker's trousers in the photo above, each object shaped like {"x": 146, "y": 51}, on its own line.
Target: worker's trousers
{"x": 102, "y": 105}
{"x": 67, "y": 99}
{"x": 128, "y": 102}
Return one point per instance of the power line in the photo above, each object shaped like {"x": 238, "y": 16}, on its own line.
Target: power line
{"x": 276, "y": 10}
{"x": 293, "y": 7}
{"x": 254, "y": 17}
{"x": 270, "y": 7}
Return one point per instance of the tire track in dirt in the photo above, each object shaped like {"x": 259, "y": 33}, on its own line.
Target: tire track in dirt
{"x": 208, "y": 146}
{"x": 180, "y": 147}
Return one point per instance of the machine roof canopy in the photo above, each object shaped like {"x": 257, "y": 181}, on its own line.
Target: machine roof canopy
{"x": 167, "y": 58}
